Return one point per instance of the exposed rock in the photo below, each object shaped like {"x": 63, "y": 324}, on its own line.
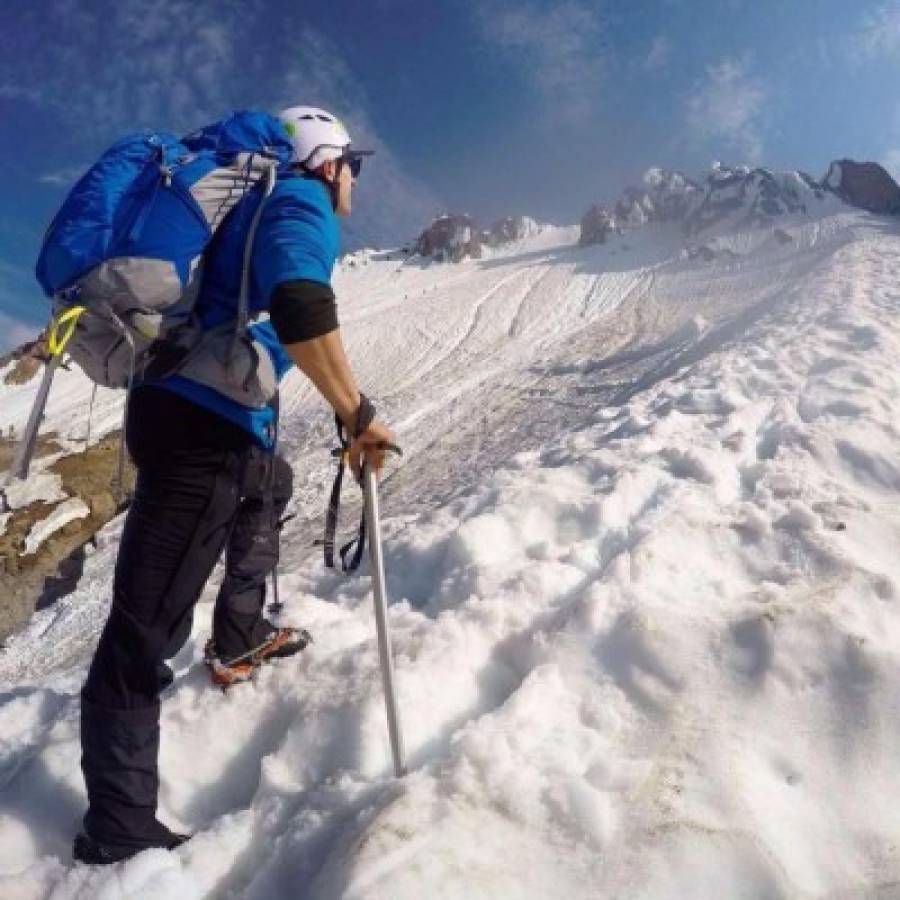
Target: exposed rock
{"x": 730, "y": 197}
{"x": 596, "y": 226}
{"x": 510, "y": 229}
{"x": 666, "y": 196}
{"x": 27, "y": 581}
{"x": 634, "y": 209}
{"x": 103, "y": 506}
{"x": 752, "y": 196}
{"x": 46, "y": 446}
{"x": 866, "y": 185}
{"x": 450, "y": 239}
{"x": 28, "y": 359}
{"x": 782, "y": 236}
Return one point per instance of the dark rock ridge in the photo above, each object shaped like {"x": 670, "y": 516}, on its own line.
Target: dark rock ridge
{"x": 866, "y": 185}
{"x": 596, "y": 226}
{"x": 739, "y": 196}
{"x": 510, "y": 230}
{"x": 452, "y": 238}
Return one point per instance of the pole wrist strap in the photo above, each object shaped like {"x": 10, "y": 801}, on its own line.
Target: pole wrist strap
{"x": 351, "y": 552}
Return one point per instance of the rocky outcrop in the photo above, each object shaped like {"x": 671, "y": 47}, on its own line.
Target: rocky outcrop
{"x": 28, "y": 359}
{"x": 665, "y": 195}
{"x": 453, "y": 238}
{"x": 450, "y": 239}
{"x": 32, "y": 576}
{"x": 511, "y": 229}
{"x": 733, "y": 197}
{"x": 730, "y": 197}
{"x": 745, "y": 196}
{"x": 597, "y": 225}
{"x": 866, "y": 185}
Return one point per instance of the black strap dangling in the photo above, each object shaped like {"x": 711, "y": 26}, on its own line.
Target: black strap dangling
{"x": 364, "y": 417}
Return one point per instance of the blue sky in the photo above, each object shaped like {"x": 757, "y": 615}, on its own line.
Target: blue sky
{"x": 490, "y": 107}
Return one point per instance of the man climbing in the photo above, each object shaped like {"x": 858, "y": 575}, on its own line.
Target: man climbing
{"x": 205, "y": 469}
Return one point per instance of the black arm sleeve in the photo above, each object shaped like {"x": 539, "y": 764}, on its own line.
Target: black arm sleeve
{"x": 302, "y": 310}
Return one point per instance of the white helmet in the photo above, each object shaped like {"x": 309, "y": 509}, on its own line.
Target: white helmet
{"x": 316, "y": 134}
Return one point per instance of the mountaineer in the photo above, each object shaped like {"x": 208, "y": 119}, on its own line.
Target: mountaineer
{"x": 208, "y": 478}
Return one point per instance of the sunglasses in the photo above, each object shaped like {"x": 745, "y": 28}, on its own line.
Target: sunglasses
{"x": 354, "y": 159}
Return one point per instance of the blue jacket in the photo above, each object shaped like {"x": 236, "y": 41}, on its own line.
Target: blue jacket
{"x": 297, "y": 238}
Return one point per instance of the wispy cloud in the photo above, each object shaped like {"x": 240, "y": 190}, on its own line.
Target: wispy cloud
{"x": 878, "y": 34}
{"x": 726, "y": 108}
{"x": 561, "y": 48}
{"x": 659, "y": 55}
{"x": 62, "y": 177}
{"x": 119, "y": 67}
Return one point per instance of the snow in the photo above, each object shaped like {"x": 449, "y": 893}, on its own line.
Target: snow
{"x": 67, "y": 409}
{"x": 69, "y": 511}
{"x": 641, "y": 552}
{"x": 41, "y": 486}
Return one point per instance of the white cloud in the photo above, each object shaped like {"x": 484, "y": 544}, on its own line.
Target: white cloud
{"x": 879, "y": 32}
{"x": 119, "y": 67}
{"x": 560, "y": 47}
{"x": 63, "y": 177}
{"x": 659, "y": 54}
{"x": 726, "y": 109}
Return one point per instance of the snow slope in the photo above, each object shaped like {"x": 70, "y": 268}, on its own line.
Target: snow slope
{"x": 642, "y": 553}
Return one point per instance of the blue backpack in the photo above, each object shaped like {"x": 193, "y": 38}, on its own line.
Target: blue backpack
{"x": 122, "y": 259}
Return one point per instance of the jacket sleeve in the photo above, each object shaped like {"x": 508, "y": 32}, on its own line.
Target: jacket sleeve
{"x": 296, "y": 239}
{"x": 302, "y": 310}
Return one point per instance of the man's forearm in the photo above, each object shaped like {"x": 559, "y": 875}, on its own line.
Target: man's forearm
{"x": 325, "y": 363}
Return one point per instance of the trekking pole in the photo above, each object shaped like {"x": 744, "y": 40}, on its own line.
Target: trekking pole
{"x": 25, "y": 450}
{"x": 373, "y": 526}
{"x": 58, "y": 334}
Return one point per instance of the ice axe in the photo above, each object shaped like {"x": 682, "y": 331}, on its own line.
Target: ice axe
{"x": 373, "y": 526}
{"x": 351, "y": 556}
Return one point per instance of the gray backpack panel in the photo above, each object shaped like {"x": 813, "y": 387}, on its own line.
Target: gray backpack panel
{"x": 234, "y": 365}
{"x": 133, "y": 304}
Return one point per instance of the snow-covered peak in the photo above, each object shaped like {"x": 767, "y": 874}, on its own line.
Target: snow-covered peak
{"x": 729, "y": 198}
{"x": 739, "y": 196}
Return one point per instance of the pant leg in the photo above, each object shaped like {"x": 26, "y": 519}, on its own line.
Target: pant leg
{"x": 190, "y": 471}
{"x": 253, "y": 547}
